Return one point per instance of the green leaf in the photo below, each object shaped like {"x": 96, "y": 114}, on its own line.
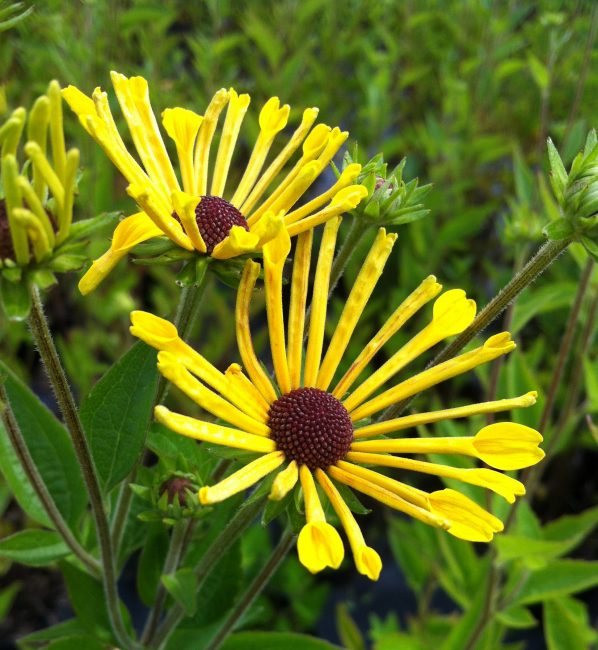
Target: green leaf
{"x": 566, "y": 625}
{"x": 182, "y": 586}
{"x": 559, "y": 229}
{"x": 275, "y": 641}
{"x": 7, "y": 596}
{"x": 559, "y": 578}
{"x": 88, "y": 227}
{"x": 33, "y": 547}
{"x": 347, "y": 629}
{"x": 539, "y": 72}
{"x": 71, "y": 627}
{"x": 512, "y": 547}
{"x": 517, "y": 618}
{"x": 50, "y": 447}
{"x": 558, "y": 174}
{"x": 117, "y": 413}
{"x": 573, "y": 528}
{"x": 76, "y": 643}
{"x": 16, "y": 299}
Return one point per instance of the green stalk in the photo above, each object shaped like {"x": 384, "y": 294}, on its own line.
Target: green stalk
{"x": 229, "y": 535}
{"x": 39, "y": 487}
{"x": 537, "y": 265}
{"x": 58, "y": 380}
{"x": 356, "y": 232}
{"x": 254, "y": 589}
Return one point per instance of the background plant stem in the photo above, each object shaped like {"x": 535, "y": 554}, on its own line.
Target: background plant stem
{"x": 38, "y": 485}
{"x": 66, "y": 402}
{"x": 254, "y": 589}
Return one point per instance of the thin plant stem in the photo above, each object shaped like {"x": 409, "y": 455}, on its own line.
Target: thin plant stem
{"x": 66, "y": 402}
{"x": 565, "y": 347}
{"x": 528, "y": 476}
{"x": 508, "y": 319}
{"x": 534, "y": 267}
{"x": 186, "y": 314}
{"x": 181, "y": 533}
{"x": 220, "y": 545}
{"x": 37, "y": 483}
{"x": 254, "y": 589}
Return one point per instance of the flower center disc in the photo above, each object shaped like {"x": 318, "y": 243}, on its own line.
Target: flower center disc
{"x": 311, "y": 427}
{"x": 6, "y": 249}
{"x": 215, "y": 217}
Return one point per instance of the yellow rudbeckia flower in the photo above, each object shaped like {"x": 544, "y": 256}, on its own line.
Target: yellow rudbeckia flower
{"x": 314, "y": 426}
{"x": 192, "y": 210}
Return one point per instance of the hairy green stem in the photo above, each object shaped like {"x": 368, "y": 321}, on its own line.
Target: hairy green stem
{"x": 254, "y": 589}
{"x": 66, "y": 402}
{"x": 488, "y": 609}
{"x": 356, "y": 232}
{"x": 179, "y": 538}
{"x": 229, "y": 535}
{"x": 37, "y": 483}
{"x": 534, "y": 267}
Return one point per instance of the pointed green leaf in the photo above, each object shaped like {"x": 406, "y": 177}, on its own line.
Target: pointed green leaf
{"x": 559, "y": 578}
{"x": 33, "y": 547}
{"x": 517, "y": 618}
{"x": 50, "y": 447}
{"x": 182, "y": 586}
{"x": 16, "y": 300}
{"x": 117, "y": 413}
{"x": 275, "y": 641}
{"x": 566, "y": 625}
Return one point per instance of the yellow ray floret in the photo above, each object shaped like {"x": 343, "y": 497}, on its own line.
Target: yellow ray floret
{"x": 284, "y": 482}
{"x": 319, "y": 545}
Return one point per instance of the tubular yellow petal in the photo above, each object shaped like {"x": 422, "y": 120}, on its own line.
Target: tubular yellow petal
{"x": 406, "y": 492}
{"x": 345, "y": 200}
{"x": 367, "y": 561}
{"x": 238, "y": 242}
{"x": 182, "y": 125}
{"x": 161, "y": 217}
{"x": 79, "y": 103}
{"x": 130, "y": 231}
{"x": 427, "y": 290}
{"x": 244, "y": 342}
{"x": 313, "y": 506}
{"x": 44, "y": 169}
{"x": 362, "y": 289}
{"x": 237, "y": 107}
{"x": 273, "y": 118}
{"x": 153, "y": 330}
{"x": 348, "y": 175}
{"x": 185, "y": 205}
{"x": 35, "y": 205}
{"x": 242, "y": 479}
{"x": 275, "y": 254}
{"x": 409, "y": 421}
{"x": 284, "y": 482}
{"x": 319, "y": 546}
{"x": 494, "y": 347}
{"x": 37, "y": 131}
{"x": 388, "y": 498}
{"x": 507, "y": 445}
{"x": 468, "y": 520}
{"x": 65, "y": 214}
{"x": 13, "y": 199}
{"x": 335, "y": 142}
{"x": 454, "y": 445}
{"x": 173, "y": 370}
{"x": 452, "y": 313}
{"x": 502, "y": 484}
{"x": 35, "y": 231}
{"x": 212, "y": 433}
{"x": 247, "y": 396}
{"x": 133, "y": 97}
{"x": 319, "y": 303}
{"x": 204, "y": 140}
{"x": 313, "y": 145}
{"x": 309, "y": 117}
{"x": 267, "y": 228}
{"x": 296, "y": 325}
{"x": 57, "y": 130}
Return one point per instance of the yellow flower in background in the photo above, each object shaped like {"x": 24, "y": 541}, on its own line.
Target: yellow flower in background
{"x": 192, "y": 211}
{"x": 316, "y": 427}
{"x": 36, "y": 198}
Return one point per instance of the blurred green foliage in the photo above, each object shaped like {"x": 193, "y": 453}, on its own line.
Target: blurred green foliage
{"x": 468, "y": 91}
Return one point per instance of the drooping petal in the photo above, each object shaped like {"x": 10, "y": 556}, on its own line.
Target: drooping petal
{"x": 367, "y": 561}
{"x": 468, "y": 520}
{"x": 130, "y": 231}
{"x": 284, "y": 482}
{"x": 319, "y": 546}
{"x": 238, "y": 242}
{"x": 241, "y": 479}
{"x": 185, "y": 206}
